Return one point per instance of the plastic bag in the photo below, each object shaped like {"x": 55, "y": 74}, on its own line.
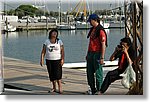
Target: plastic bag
{"x": 129, "y": 77}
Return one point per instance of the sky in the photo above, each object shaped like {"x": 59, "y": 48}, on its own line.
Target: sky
{"x": 52, "y": 5}
{"x": 58, "y": 0}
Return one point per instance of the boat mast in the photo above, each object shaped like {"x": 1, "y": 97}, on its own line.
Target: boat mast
{"x": 59, "y": 10}
{"x": 84, "y": 10}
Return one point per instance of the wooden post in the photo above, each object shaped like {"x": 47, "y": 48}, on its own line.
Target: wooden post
{"x": 134, "y": 26}
{"x": 46, "y": 23}
{"x": 27, "y": 23}
{"x": 6, "y": 22}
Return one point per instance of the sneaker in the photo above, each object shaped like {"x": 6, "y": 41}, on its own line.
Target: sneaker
{"x": 89, "y": 92}
{"x": 98, "y": 93}
{"x": 93, "y": 92}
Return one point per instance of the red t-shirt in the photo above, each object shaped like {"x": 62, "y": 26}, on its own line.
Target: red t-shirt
{"x": 95, "y": 43}
{"x": 123, "y": 63}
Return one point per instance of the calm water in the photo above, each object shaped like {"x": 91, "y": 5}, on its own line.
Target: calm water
{"x": 27, "y": 45}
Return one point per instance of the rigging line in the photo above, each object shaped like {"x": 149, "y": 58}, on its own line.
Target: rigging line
{"x": 117, "y": 7}
{"x": 76, "y": 7}
{"x": 88, "y": 6}
{"x": 84, "y": 8}
{"x": 79, "y": 8}
{"x": 8, "y": 5}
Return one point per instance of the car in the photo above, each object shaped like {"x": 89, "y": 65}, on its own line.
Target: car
{"x": 24, "y": 20}
{"x": 33, "y": 20}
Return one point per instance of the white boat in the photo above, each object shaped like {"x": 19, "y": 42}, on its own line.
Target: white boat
{"x": 66, "y": 27}
{"x": 117, "y": 24}
{"x": 9, "y": 28}
{"x": 105, "y": 25}
{"x": 85, "y": 25}
{"x": 82, "y": 25}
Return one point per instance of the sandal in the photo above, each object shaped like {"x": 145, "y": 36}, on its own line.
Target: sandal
{"x": 52, "y": 90}
{"x": 60, "y": 92}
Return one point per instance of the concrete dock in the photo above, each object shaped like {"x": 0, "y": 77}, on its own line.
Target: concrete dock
{"x": 23, "y": 77}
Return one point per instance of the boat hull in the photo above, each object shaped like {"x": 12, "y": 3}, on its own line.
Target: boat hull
{"x": 65, "y": 27}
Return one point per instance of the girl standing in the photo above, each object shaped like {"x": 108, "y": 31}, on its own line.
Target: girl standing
{"x": 53, "y": 51}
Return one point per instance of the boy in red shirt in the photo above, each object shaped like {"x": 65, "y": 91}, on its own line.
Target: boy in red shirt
{"x": 96, "y": 52}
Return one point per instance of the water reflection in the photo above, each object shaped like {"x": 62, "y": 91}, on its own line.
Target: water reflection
{"x": 73, "y": 32}
{"x": 27, "y": 45}
{"x": 11, "y": 35}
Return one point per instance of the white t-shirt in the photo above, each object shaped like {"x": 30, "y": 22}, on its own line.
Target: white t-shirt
{"x": 53, "y": 51}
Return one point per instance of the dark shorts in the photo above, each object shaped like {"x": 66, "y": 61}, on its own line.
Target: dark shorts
{"x": 54, "y": 69}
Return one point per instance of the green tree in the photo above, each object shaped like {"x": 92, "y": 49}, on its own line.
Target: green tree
{"x": 11, "y": 12}
{"x": 39, "y": 13}
{"x": 25, "y": 10}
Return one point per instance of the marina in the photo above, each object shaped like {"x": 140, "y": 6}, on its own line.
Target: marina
{"x": 24, "y": 34}
{"x": 15, "y": 26}
{"x": 74, "y": 19}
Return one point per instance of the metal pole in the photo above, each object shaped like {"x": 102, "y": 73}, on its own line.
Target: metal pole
{"x": 125, "y": 17}
{"x": 59, "y": 8}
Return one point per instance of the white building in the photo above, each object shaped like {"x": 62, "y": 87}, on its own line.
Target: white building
{"x": 10, "y": 18}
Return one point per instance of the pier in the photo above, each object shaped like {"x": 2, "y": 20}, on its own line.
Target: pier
{"x": 23, "y": 77}
{"x": 32, "y": 26}
{"x": 44, "y": 26}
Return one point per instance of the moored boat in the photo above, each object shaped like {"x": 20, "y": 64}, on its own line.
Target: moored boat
{"x": 65, "y": 27}
{"x": 9, "y": 28}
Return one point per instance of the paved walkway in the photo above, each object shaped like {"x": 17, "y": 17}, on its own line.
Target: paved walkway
{"x": 34, "y": 78}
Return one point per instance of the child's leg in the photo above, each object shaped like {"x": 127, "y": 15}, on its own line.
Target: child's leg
{"x": 59, "y": 86}
{"x": 54, "y": 85}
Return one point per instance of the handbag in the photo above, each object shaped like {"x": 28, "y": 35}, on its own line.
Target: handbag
{"x": 129, "y": 77}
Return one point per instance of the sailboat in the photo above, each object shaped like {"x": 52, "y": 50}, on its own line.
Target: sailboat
{"x": 116, "y": 20}
{"x": 61, "y": 26}
{"x": 82, "y": 23}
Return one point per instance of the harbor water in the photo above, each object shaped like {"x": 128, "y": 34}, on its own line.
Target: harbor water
{"x": 28, "y": 45}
